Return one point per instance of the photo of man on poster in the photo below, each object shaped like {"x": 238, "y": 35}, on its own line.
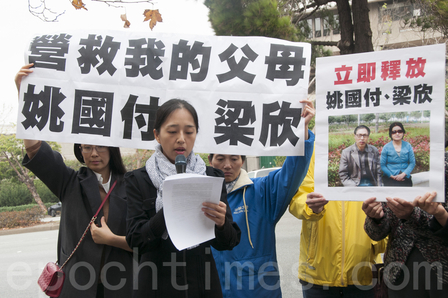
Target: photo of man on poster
{"x": 360, "y": 163}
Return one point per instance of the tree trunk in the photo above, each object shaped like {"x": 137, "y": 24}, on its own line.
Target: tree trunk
{"x": 32, "y": 188}
{"x": 346, "y": 44}
{"x": 377, "y": 120}
{"x": 361, "y": 24}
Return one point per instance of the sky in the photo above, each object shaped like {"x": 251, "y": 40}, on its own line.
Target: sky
{"x": 19, "y": 25}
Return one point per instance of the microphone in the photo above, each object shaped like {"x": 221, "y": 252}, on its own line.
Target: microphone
{"x": 181, "y": 164}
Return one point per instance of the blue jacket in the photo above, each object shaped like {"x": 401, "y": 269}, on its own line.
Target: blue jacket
{"x": 392, "y": 164}
{"x": 257, "y": 204}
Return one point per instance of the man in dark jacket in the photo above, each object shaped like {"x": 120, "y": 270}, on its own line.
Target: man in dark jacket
{"x": 360, "y": 163}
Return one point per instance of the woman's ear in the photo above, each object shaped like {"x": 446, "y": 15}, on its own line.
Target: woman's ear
{"x": 156, "y": 135}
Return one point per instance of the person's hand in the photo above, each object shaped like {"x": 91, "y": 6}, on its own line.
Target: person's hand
{"x": 316, "y": 202}
{"x": 372, "y": 208}
{"x": 216, "y": 212}
{"x": 308, "y": 113}
{"x": 101, "y": 235}
{"x": 23, "y": 72}
{"x": 400, "y": 177}
{"x": 401, "y": 208}
{"x": 426, "y": 203}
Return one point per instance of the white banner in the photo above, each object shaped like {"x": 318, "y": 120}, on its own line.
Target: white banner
{"x": 376, "y": 89}
{"x": 104, "y": 87}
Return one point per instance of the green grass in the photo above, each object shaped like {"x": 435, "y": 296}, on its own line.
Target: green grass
{"x": 23, "y": 207}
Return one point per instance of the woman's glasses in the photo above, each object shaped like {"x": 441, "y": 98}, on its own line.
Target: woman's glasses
{"x": 397, "y": 131}
{"x": 88, "y": 149}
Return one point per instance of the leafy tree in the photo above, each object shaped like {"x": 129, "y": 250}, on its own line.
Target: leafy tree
{"x": 249, "y": 18}
{"x": 279, "y": 160}
{"x": 385, "y": 116}
{"x": 356, "y": 35}
{"x": 137, "y": 160}
{"x": 433, "y": 16}
{"x": 204, "y": 157}
{"x": 350, "y": 119}
{"x": 416, "y": 114}
{"x": 401, "y": 115}
{"x": 368, "y": 117}
{"x": 12, "y": 152}
{"x": 7, "y": 172}
{"x": 14, "y": 194}
{"x": 285, "y": 19}
{"x": 312, "y": 123}
{"x": 73, "y": 164}
{"x": 339, "y": 119}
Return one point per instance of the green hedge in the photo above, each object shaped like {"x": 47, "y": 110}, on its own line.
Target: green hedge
{"x": 45, "y": 193}
{"x": 23, "y": 207}
{"x": 16, "y": 194}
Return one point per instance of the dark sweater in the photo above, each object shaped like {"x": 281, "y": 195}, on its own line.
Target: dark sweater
{"x": 163, "y": 270}
{"x": 421, "y": 230}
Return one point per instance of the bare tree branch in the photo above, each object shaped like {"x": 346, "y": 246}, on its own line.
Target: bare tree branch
{"x": 44, "y": 13}
{"x": 315, "y": 5}
{"x": 41, "y": 10}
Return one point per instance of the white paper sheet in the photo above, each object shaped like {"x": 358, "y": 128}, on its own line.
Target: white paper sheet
{"x": 183, "y": 195}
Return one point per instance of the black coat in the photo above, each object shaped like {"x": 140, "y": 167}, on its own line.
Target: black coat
{"x": 80, "y": 197}
{"x": 163, "y": 270}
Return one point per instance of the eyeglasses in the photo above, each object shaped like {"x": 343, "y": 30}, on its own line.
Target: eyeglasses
{"x": 397, "y": 131}
{"x": 88, "y": 149}
{"x": 362, "y": 136}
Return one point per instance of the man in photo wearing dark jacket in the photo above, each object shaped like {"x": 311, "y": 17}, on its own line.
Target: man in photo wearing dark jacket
{"x": 360, "y": 163}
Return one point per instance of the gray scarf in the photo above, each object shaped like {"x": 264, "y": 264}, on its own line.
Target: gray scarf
{"x": 159, "y": 167}
{"x": 230, "y": 185}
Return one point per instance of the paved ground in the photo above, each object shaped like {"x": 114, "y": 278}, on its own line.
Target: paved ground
{"x": 48, "y": 218}
{"x": 288, "y": 242}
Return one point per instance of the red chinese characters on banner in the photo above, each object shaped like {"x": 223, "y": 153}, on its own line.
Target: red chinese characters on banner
{"x": 390, "y": 70}
{"x": 343, "y": 70}
{"x": 366, "y": 72}
{"x": 416, "y": 68}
